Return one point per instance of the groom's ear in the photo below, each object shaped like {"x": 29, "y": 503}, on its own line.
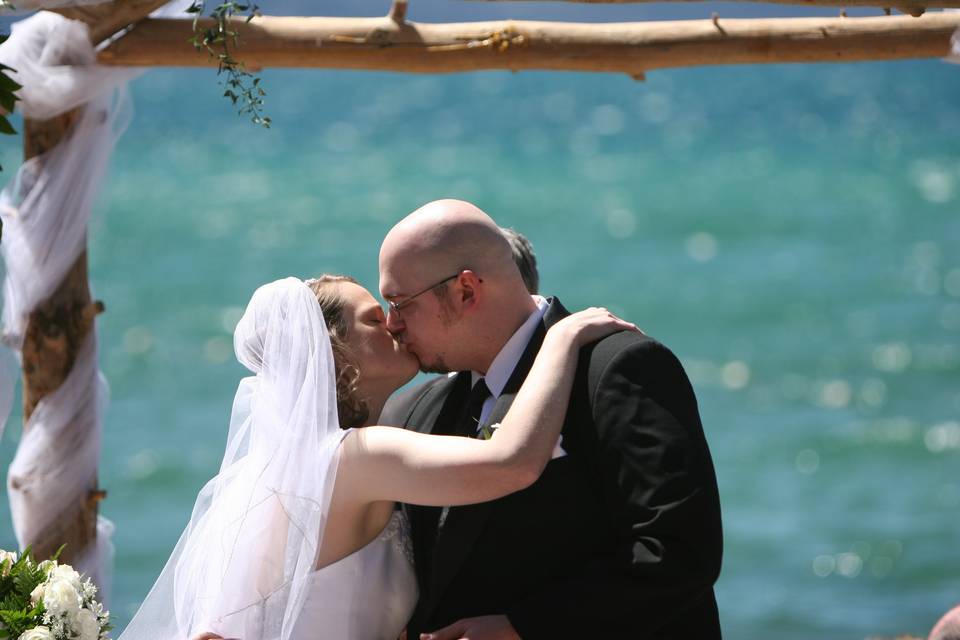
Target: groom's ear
{"x": 469, "y": 290}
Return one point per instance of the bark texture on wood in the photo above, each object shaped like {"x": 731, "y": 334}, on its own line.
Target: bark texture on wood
{"x": 908, "y": 6}
{"x": 54, "y": 335}
{"x": 632, "y": 48}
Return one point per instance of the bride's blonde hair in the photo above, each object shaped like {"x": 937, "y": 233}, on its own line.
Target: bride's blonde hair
{"x": 351, "y": 406}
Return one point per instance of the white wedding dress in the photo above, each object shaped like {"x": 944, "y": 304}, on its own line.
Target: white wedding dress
{"x": 368, "y": 595}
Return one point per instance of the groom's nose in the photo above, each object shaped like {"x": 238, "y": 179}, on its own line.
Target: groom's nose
{"x": 395, "y": 323}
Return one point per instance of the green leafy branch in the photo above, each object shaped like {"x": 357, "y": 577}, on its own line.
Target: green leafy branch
{"x": 8, "y": 97}
{"x": 241, "y": 87}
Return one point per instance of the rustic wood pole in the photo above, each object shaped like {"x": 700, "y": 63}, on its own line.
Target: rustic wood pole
{"x": 57, "y": 328}
{"x": 55, "y": 332}
{"x": 632, "y": 48}
{"x": 911, "y": 7}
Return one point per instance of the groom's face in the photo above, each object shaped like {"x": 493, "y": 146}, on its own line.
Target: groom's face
{"x": 424, "y": 323}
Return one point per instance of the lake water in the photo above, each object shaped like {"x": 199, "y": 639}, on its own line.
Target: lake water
{"x": 791, "y": 232}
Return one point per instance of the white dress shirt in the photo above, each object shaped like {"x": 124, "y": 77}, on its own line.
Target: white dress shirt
{"x": 506, "y": 361}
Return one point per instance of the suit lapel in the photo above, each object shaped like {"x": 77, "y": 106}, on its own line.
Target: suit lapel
{"x": 463, "y": 525}
{"x": 439, "y": 407}
{"x": 437, "y": 412}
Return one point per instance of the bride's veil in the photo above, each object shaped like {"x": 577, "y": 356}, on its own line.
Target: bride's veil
{"x": 240, "y": 566}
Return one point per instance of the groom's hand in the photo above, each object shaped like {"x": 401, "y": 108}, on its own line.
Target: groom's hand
{"x": 481, "y": 628}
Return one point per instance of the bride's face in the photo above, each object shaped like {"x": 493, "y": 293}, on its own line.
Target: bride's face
{"x": 380, "y": 358}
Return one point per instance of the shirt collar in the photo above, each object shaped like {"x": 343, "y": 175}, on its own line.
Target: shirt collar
{"x": 506, "y": 360}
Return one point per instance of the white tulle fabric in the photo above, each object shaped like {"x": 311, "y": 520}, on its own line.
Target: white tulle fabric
{"x": 241, "y": 566}
{"x": 45, "y": 210}
{"x": 954, "y": 56}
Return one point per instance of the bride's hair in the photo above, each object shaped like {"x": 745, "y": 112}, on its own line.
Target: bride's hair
{"x": 351, "y": 407}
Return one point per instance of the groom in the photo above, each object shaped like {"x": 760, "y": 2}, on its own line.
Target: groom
{"x": 621, "y": 536}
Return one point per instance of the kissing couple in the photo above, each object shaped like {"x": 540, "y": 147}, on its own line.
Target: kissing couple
{"x": 559, "y": 485}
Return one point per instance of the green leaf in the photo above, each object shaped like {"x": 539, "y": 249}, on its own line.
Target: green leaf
{"x": 6, "y": 127}
{"x": 7, "y": 101}
{"x": 9, "y": 84}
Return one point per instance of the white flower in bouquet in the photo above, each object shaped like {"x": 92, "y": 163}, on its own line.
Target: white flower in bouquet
{"x": 7, "y": 559}
{"x": 37, "y": 633}
{"x": 65, "y": 572}
{"x": 69, "y": 609}
{"x": 60, "y": 597}
{"x": 86, "y": 625}
{"x": 37, "y": 594}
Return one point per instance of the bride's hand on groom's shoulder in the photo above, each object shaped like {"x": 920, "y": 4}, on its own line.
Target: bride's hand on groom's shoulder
{"x": 480, "y": 628}
{"x": 589, "y": 325}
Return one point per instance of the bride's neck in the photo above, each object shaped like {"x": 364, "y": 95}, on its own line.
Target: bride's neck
{"x": 376, "y": 396}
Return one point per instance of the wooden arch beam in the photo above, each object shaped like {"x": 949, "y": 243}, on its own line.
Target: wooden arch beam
{"x": 631, "y": 48}
{"x": 906, "y": 6}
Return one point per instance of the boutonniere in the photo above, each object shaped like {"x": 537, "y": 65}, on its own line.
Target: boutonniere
{"x": 486, "y": 431}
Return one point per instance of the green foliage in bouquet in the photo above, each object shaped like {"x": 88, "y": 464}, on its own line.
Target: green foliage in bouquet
{"x": 18, "y": 579}
{"x": 48, "y": 601}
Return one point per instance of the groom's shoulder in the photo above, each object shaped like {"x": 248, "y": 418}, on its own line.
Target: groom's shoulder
{"x": 400, "y": 406}
{"x": 621, "y": 351}
{"x": 630, "y": 350}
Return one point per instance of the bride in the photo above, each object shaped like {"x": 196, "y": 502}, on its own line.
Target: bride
{"x": 298, "y": 535}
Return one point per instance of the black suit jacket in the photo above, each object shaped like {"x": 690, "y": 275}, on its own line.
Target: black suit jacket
{"x": 621, "y": 538}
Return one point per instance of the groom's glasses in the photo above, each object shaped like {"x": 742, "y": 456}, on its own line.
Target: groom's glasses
{"x": 397, "y": 306}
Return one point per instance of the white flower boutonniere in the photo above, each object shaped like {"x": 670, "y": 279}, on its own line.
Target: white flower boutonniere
{"x": 486, "y": 431}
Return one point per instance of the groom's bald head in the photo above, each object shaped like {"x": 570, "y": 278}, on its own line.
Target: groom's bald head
{"x": 445, "y": 236}
{"x": 471, "y": 313}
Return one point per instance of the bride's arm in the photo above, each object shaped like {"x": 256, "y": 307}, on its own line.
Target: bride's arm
{"x": 386, "y": 463}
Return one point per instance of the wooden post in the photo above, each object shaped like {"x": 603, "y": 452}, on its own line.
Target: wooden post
{"x": 55, "y": 332}
{"x": 57, "y": 328}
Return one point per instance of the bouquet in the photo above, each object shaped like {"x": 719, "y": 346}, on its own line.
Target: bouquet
{"x": 48, "y": 601}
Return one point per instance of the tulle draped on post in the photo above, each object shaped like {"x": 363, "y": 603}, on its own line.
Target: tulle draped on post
{"x": 241, "y": 565}
{"x": 45, "y": 211}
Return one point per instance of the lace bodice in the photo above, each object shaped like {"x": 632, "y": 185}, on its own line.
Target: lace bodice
{"x": 368, "y": 595}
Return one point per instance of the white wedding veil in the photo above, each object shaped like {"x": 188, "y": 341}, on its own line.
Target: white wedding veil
{"x": 239, "y": 568}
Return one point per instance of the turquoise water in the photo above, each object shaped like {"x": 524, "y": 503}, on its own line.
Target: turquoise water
{"x": 790, "y": 231}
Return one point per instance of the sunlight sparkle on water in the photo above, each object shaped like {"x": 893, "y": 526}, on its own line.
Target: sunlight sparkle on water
{"x": 951, "y": 283}
{"x": 892, "y": 357}
{"x": 835, "y": 394}
{"x": 655, "y": 107}
{"x": 850, "y": 564}
{"x": 950, "y": 317}
{"x": 808, "y": 461}
{"x": 943, "y": 436}
{"x": 735, "y": 375}
{"x": 607, "y": 120}
{"x": 142, "y": 464}
{"x": 217, "y": 350}
{"x": 702, "y": 246}
{"x": 873, "y": 391}
{"x": 824, "y": 565}
{"x": 559, "y": 107}
{"x": 621, "y": 223}
{"x": 229, "y": 317}
{"x": 934, "y": 183}
{"x": 137, "y": 340}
